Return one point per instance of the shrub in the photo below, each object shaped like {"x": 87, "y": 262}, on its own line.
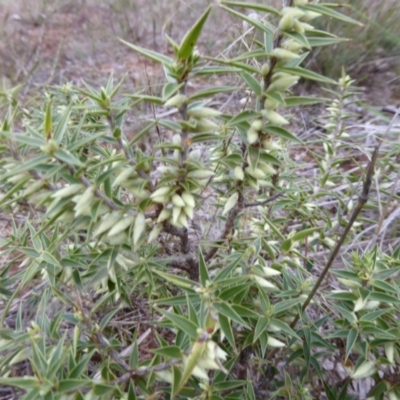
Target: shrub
{"x": 185, "y": 268}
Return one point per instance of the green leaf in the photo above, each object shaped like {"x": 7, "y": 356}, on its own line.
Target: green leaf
{"x": 35, "y": 141}
{"x": 225, "y": 272}
{"x": 81, "y": 367}
{"x": 170, "y": 89}
{"x": 318, "y": 41}
{"x": 226, "y": 328}
{"x": 351, "y": 341}
{"x": 245, "y": 312}
{"x": 281, "y": 132}
{"x": 241, "y": 66}
{"x": 68, "y": 158}
{"x": 306, "y": 74}
{"x": 284, "y": 327}
{"x": 344, "y": 296}
{"x": 328, "y": 12}
{"x": 203, "y": 271}
{"x": 286, "y": 304}
{"x": 307, "y": 346}
{"x": 373, "y": 315}
{"x": 348, "y": 315}
{"x": 293, "y": 101}
{"x": 152, "y": 55}
{"x": 304, "y": 233}
{"x": 62, "y": 125}
{"x": 251, "y": 55}
{"x": 168, "y": 351}
{"x": 383, "y": 297}
{"x": 252, "y": 6}
{"x": 229, "y": 312}
{"x": 261, "y": 327}
{"x": 48, "y": 123}
{"x": 28, "y": 165}
{"x": 176, "y": 280}
{"x": 243, "y": 116}
{"x": 140, "y": 134}
{"x": 150, "y": 99}
{"x": 213, "y": 70}
{"x": 386, "y": 287}
{"x": 101, "y": 389}
{"x": 298, "y": 37}
{"x": 269, "y": 158}
{"x": 252, "y": 82}
{"x": 286, "y": 245}
{"x": 377, "y": 391}
{"x": 211, "y": 92}
{"x": 182, "y": 323}
{"x": 190, "y": 39}
{"x": 264, "y": 27}
{"x": 67, "y": 385}
{"x": 25, "y": 382}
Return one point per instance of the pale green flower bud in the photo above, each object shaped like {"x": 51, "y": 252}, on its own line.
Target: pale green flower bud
{"x": 256, "y": 173}
{"x": 161, "y": 193}
{"x": 272, "y": 342}
{"x": 176, "y": 139}
{"x": 365, "y": 370}
{"x": 205, "y": 125}
{"x": 300, "y": 2}
{"x": 286, "y": 23}
{"x": 283, "y": 82}
{"x": 155, "y": 232}
{"x": 239, "y": 174}
{"x": 276, "y": 118}
{"x": 107, "y": 222}
{"x": 284, "y": 55}
{"x": 188, "y": 199}
{"x": 310, "y": 15}
{"x": 263, "y": 282}
{"x": 176, "y": 212}
{"x": 268, "y": 271}
{"x": 257, "y": 125}
{"x": 292, "y": 45}
{"x": 85, "y": 202}
{"x": 293, "y": 11}
{"x": 270, "y": 104}
{"x": 231, "y": 203}
{"x": 50, "y": 147}
{"x": 269, "y": 144}
{"x": 302, "y": 27}
{"x": 200, "y": 174}
{"x": 139, "y": 227}
{"x": 182, "y": 220}
{"x": 265, "y": 70}
{"x": 189, "y": 211}
{"x": 252, "y": 136}
{"x": 124, "y": 176}
{"x": 176, "y": 101}
{"x": 164, "y": 215}
{"x": 389, "y": 351}
{"x": 121, "y": 225}
{"x": 178, "y": 201}
{"x": 204, "y": 112}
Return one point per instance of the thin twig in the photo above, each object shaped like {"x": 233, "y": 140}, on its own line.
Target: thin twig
{"x": 362, "y": 200}
{"x": 264, "y": 202}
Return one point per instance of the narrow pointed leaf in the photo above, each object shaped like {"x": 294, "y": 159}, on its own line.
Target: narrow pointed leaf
{"x": 152, "y": 55}
{"x": 190, "y": 39}
{"x": 306, "y": 74}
